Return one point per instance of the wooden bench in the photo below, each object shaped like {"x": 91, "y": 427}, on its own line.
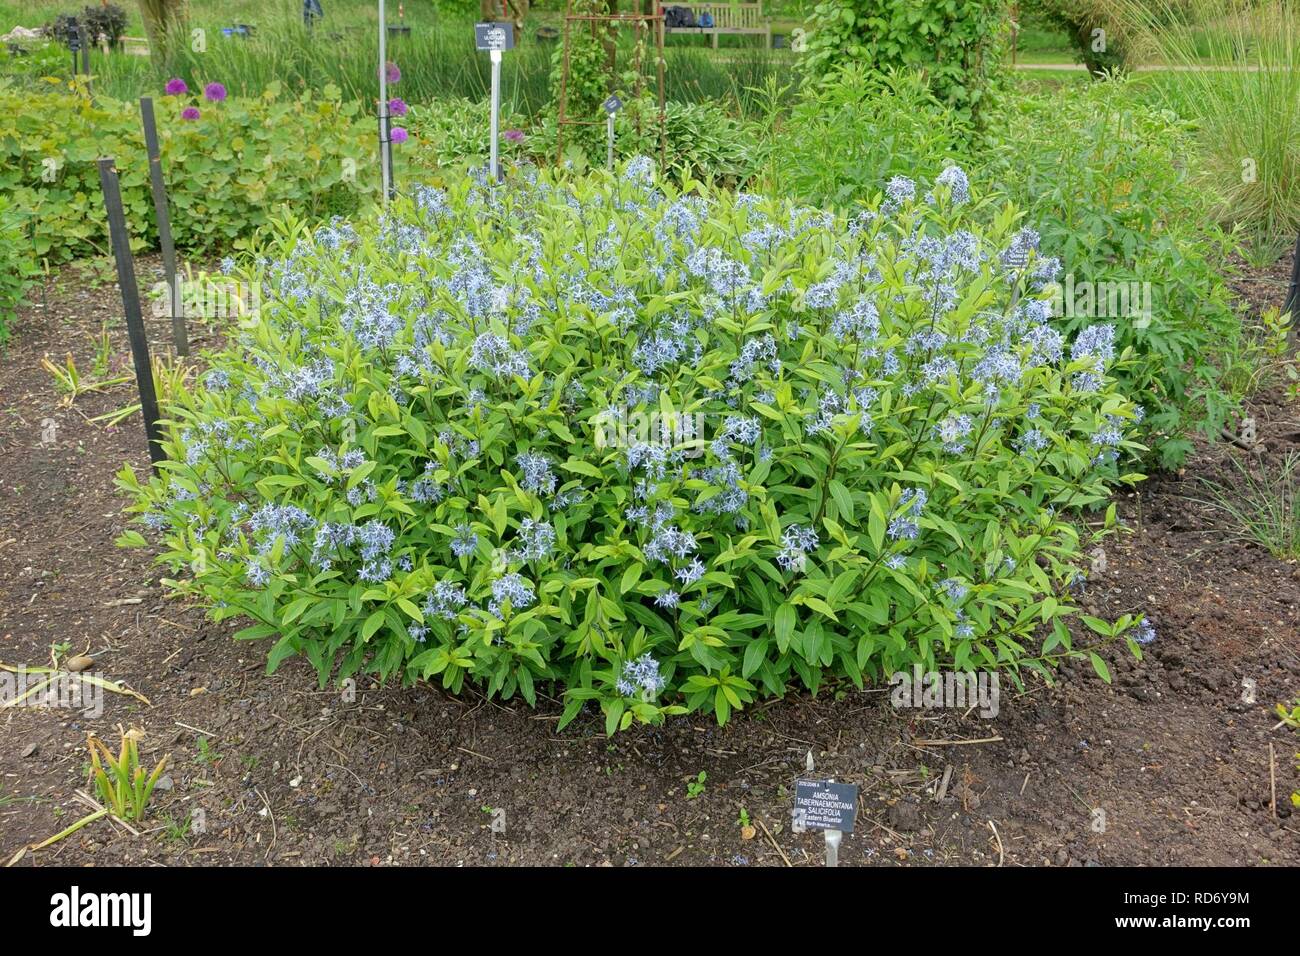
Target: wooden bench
{"x": 745, "y": 19}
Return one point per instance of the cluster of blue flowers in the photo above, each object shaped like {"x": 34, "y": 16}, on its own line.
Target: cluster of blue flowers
{"x": 797, "y": 542}
{"x": 640, "y": 677}
{"x": 911, "y": 504}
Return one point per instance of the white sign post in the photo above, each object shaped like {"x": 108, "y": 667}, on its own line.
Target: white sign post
{"x": 612, "y": 106}
{"x": 495, "y": 38}
{"x": 496, "y": 116}
{"x": 385, "y": 143}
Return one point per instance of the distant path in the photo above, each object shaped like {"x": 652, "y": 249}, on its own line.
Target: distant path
{"x": 1206, "y": 68}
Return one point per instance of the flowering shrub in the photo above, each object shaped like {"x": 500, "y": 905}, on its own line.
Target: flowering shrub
{"x": 425, "y": 458}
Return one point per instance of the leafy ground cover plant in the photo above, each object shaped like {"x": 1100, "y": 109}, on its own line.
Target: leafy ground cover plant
{"x": 18, "y": 268}
{"x": 453, "y": 132}
{"x": 230, "y": 163}
{"x": 233, "y": 162}
{"x": 664, "y": 451}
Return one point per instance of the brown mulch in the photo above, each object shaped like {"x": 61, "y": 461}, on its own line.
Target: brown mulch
{"x": 1170, "y": 764}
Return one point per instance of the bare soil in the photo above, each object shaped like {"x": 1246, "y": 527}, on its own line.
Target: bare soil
{"x": 1170, "y": 764}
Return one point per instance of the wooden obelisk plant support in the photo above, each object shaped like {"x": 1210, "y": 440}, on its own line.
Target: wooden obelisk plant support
{"x": 121, "y": 242}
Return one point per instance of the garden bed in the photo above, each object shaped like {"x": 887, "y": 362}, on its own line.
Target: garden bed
{"x": 290, "y": 774}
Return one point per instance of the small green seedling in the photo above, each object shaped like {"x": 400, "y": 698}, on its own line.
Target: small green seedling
{"x": 695, "y": 788}
{"x": 1291, "y": 717}
{"x": 179, "y": 831}
{"x": 206, "y": 754}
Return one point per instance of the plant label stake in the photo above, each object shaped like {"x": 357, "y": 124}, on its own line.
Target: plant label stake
{"x": 74, "y": 46}
{"x": 612, "y": 106}
{"x": 495, "y": 38}
{"x": 121, "y": 241}
{"x": 385, "y": 143}
{"x": 828, "y": 806}
{"x": 176, "y": 301}
{"x": 85, "y": 56}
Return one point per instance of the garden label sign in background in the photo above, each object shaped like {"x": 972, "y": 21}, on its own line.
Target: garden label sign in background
{"x": 612, "y": 106}
{"x": 495, "y": 37}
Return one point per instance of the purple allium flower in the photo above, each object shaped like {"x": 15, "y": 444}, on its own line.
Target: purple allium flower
{"x": 190, "y": 113}
{"x": 398, "y": 134}
{"x": 214, "y": 92}
{"x": 397, "y": 106}
{"x": 176, "y": 87}
{"x": 391, "y": 73}
{"x": 514, "y": 135}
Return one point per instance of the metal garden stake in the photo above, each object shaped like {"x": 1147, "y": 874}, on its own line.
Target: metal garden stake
{"x": 385, "y": 143}
{"x": 121, "y": 241}
{"x": 176, "y": 301}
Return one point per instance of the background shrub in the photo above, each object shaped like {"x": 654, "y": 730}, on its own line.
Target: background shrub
{"x": 1104, "y": 177}
{"x": 455, "y": 131}
{"x": 1094, "y": 28}
{"x": 958, "y": 46}
{"x": 227, "y": 172}
{"x": 702, "y": 141}
{"x": 854, "y": 129}
{"x": 415, "y": 462}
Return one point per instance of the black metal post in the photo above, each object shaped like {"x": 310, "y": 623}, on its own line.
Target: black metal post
{"x": 1293, "y": 293}
{"x": 161, "y": 212}
{"x": 1291, "y": 306}
{"x": 121, "y": 242}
